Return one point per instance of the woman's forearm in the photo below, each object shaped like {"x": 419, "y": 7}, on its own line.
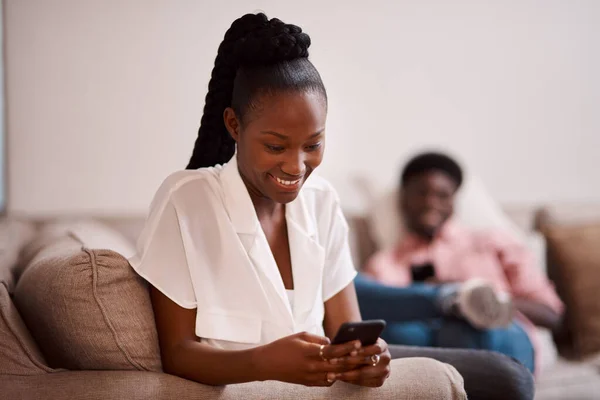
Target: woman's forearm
{"x": 205, "y": 364}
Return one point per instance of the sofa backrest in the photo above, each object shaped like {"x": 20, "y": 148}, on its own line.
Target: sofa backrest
{"x": 14, "y": 235}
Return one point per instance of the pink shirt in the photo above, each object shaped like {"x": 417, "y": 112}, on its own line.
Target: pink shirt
{"x": 459, "y": 254}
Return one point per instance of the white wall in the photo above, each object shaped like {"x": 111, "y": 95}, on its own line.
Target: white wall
{"x": 104, "y": 96}
{"x": 2, "y": 125}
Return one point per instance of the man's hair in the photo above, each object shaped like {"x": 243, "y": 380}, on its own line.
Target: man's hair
{"x": 427, "y": 162}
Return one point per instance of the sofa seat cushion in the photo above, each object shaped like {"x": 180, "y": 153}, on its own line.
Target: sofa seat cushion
{"x": 568, "y": 380}
{"x": 86, "y": 307}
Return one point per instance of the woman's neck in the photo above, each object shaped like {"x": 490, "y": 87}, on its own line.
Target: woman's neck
{"x": 266, "y": 209}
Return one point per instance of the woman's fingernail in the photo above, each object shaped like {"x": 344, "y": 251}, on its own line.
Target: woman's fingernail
{"x": 357, "y": 345}
{"x": 353, "y": 353}
{"x": 333, "y": 361}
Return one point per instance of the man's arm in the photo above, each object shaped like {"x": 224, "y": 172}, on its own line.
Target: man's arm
{"x": 539, "y": 314}
{"x": 533, "y": 293}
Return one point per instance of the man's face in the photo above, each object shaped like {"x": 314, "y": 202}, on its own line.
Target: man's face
{"x": 427, "y": 201}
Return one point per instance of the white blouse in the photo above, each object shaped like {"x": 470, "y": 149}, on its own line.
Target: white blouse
{"x": 204, "y": 248}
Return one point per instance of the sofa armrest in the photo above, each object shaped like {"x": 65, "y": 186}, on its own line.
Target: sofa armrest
{"x": 406, "y": 381}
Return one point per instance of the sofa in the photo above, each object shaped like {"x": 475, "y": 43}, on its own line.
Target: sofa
{"x": 75, "y": 264}
{"x": 76, "y": 322}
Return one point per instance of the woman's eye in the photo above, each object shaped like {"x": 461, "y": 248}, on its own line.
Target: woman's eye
{"x": 313, "y": 147}
{"x": 274, "y": 149}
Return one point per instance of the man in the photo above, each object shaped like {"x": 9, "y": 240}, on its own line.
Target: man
{"x": 460, "y": 288}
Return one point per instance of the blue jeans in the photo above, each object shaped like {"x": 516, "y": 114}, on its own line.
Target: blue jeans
{"x": 413, "y": 318}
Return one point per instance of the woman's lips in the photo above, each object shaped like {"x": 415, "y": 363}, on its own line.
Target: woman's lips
{"x": 286, "y": 184}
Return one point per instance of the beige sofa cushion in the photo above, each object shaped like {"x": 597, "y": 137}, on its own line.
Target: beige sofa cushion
{"x": 574, "y": 253}
{"x": 92, "y": 233}
{"x": 362, "y": 245}
{"x": 411, "y": 378}
{"x": 19, "y": 355}
{"x": 14, "y": 235}
{"x": 87, "y": 308}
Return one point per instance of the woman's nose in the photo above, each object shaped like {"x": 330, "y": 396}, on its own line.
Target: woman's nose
{"x": 294, "y": 165}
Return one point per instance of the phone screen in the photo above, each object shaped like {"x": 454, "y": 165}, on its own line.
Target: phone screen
{"x": 420, "y": 273}
{"x": 366, "y": 331}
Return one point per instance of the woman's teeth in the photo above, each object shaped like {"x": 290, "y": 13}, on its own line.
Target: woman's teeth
{"x": 287, "y": 183}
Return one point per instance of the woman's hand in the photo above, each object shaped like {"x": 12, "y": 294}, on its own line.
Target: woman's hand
{"x": 370, "y": 367}
{"x": 304, "y": 358}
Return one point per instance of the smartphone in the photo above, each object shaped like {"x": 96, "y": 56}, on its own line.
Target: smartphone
{"x": 366, "y": 331}
{"x": 420, "y": 273}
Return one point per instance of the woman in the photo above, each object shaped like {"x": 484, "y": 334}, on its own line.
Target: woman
{"x": 249, "y": 262}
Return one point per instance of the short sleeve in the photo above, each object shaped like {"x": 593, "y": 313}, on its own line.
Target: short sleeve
{"x": 339, "y": 269}
{"x": 161, "y": 258}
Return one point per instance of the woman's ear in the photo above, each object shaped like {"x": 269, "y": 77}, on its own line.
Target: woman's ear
{"x": 231, "y": 123}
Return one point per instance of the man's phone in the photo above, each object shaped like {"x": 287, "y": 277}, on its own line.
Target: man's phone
{"x": 366, "y": 331}
{"x": 420, "y": 273}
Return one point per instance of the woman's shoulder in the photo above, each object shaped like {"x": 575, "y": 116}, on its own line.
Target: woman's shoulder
{"x": 195, "y": 182}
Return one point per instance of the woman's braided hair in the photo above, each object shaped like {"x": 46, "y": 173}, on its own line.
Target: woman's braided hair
{"x": 257, "y": 57}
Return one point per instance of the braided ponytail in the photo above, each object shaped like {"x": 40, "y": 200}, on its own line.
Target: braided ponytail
{"x": 257, "y": 57}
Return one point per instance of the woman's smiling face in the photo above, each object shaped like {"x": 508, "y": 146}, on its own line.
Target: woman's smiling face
{"x": 280, "y": 143}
